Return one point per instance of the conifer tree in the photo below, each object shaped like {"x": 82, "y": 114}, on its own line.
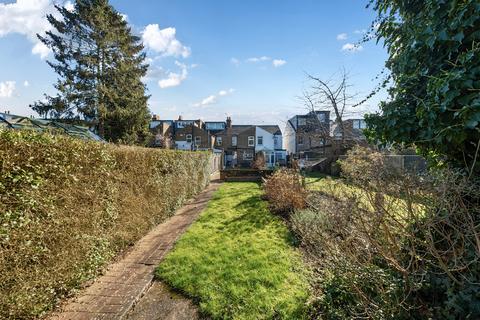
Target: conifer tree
{"x": 100, "y": 64}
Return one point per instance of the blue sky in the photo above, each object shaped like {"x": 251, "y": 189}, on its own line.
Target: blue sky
{"x": 210, "y": 58}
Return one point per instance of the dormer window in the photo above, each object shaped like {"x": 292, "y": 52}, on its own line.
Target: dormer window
{"x": 359, "y": 124}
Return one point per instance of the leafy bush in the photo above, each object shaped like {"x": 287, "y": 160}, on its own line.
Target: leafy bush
{"x": 395, "y": 246}
{"x": 284, "y": 191}
{"x": 68, "y": 206}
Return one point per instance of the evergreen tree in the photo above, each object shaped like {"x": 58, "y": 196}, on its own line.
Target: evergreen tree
{"x": 100, "y": 64}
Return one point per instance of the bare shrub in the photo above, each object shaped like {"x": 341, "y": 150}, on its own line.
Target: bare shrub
{"x": 394, "y": 244}
{"x": 259, "y": 162}
{"x": 285, "y": 192}
{"x": 68, "y": 206}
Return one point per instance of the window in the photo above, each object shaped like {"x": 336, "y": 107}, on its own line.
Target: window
{"x": 215, "y": 126}
{"x": 301, "y": 122}
{"x": 198, "y": 140}
{"x": 251, "y": 141}
{"x": 260, "y": 140}
{"x": 189, "y": 138}
{"x": 321, "y": 117}
{"x": 219, "y": 141}
{"x": 234, "y": 141}
{"x": 300, "y": 140}
{"x": 247, "y": 155}
{"x": 359, "y": 124}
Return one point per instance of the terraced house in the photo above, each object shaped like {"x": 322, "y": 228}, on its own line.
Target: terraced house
{"x": 308, "y": 135}
{"x": 240, "y": 144}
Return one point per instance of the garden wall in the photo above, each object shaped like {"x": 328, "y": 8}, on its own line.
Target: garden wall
{"x": 68, "y": 206}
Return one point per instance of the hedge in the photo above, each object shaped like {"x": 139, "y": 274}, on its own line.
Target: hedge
{"x": 68, "y": 206}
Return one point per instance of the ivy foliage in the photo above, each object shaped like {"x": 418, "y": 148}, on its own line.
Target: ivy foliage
{"x": 434, "y": 60}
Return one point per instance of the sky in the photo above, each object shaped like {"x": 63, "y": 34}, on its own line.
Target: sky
{"x": 247, "y": 59}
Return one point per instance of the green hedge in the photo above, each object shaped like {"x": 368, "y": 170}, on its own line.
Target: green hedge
{"x": 68, "y": 206}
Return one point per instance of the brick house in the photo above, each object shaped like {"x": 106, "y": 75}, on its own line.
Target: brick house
{"x": 181, "y": 134}
{"x": 308, "y": 135}
{"x": 353, "y": 130}
{"x": 192, "y": 136}
{"x": 162, "y": 131}
{"x": 238, "y": 144}
{"x": 242, "y": 144}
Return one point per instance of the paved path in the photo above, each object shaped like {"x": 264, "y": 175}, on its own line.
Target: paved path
{"x": 112, "y": 295}
{"x": 160, "y": 303}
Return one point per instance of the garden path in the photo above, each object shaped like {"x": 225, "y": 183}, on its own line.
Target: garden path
{"x": 125, "y": 281}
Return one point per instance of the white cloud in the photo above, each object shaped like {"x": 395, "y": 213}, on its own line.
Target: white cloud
{"x": 226, "y": 92}
{"x": 214, "y": 98}
{"x": 174, "y": 79}
{"x": 350, "y": 47}
{"x": 41, "y": 49}
{"x": 69, "y": 6}
{"x": 27, "y": 17}
{"x": 275, "y": 62}
{"x": 235, "y": 61}
{"x": 163, "y": 41}
{"x": 26, "y": 83}
{"x": 342, "y": 36}
{"x": 259, "y": 59}
{"x": 278, "y": 62}
{"x": 208, "y": 100}
{"x": 154, "y": 72}
{"x": 362, "y": 31}
{"x": 7, "y": 89}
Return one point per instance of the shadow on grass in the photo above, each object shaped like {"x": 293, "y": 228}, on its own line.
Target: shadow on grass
{"x": 254, "y": 216}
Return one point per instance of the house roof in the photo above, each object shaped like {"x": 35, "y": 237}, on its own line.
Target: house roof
{"x": 18, "y": 122}
{"x": 273, "y": 129}
{"x": 236, "y": 129}
{"x": 239, "y": 128}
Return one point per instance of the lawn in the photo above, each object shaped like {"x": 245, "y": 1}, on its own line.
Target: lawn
{"x": 340, "y": 189}
{"x": 334, "y": 186}
{"x": 237, "y": 260}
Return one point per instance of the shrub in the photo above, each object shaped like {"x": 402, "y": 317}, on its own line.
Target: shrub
{"x": 259, "y": 162}
{"x": 284, "y": 191}
{"x": 396, "y": 245}
{"x": 68, "y": 206}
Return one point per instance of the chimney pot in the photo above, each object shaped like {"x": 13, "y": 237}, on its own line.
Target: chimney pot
{"x": 229, "y": 122}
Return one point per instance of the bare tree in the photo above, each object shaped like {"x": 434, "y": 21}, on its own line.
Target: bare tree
{"x": 333, "y": 95}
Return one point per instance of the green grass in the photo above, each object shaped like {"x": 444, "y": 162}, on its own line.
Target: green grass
{"x": 237, "y": 260}
{"x": 340, "y": 189}
{"x": 316, "y": 181}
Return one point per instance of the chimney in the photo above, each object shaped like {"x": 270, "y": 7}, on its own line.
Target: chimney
{"x": 155, "y": 117}
{"x": 229, "y": 122}
{"x": 180, "y": 118}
